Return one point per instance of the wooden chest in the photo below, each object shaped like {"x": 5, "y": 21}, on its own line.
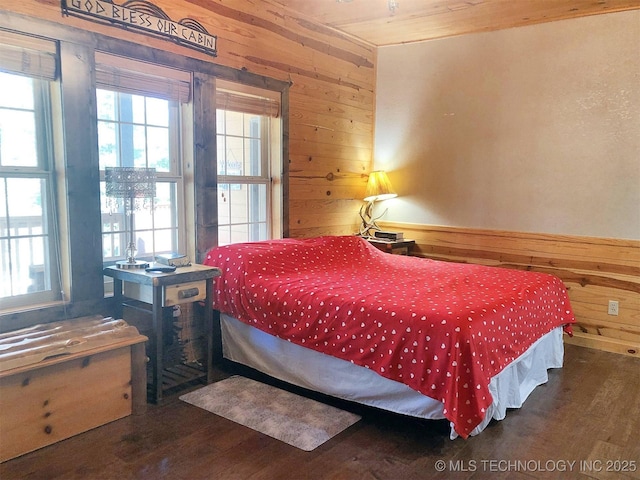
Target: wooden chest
{"x": 64, "y": 378}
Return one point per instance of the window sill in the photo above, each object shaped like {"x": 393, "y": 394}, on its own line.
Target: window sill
{"x": 31, "y": 308}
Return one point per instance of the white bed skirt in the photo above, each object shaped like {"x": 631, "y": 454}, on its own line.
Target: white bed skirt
{"x": 342, "y": 379}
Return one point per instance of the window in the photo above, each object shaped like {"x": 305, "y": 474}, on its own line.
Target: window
{"x": 29, "y": 249}
{"x": 139, "y": 126}
{"x": 248, "y": 160}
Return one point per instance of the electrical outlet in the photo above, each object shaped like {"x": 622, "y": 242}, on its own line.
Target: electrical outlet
{"x": 613, "y": 307}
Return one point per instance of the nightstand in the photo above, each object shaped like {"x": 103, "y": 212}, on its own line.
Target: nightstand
{"x": 187, "y": 284}
{"x": 396, "y": 247}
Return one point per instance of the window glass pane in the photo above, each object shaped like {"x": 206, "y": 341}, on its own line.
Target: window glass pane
{"x": 257, "y": 203}
{"x": 224, "y": 216}
{"x": 165, "y": 240}
{"x": 16, "y": 91}
{"x": 239, "y": 233}
{"x": 113, "y": 244}
{"x": 234, "y": 123}
{"x": 108, "y": 150}
{"x": 139, "y": 145}
{"x": 28, "y": 262}
{"x": 138, "y": 109}
{"x": 25, "y": 197}
{"x": 242, "y": 155}
{"x": 251, "y": 126}
{"x": 24, "y": 239}
{"x": 242, "y": 212}
{"x": 4, "y": 224}
{"x": 253, "y": 157}
{"x": 157, "y": 112}
{"x": 5, "y": 271}
{"x": 140, "y": 136}
{"x": 238, "y": 203}
{"x": 224, "y": 235}
{"x": 221, "y": 157}
{"x": 18, "y": 138}
{"x": 116, "y": 235}
{"x": 234, "y": 156}
{"x": 262, "y": 231}
{"x": 116, "y": 223}
{"x": 158, "y": 138}
{"x": 165, "y": 214}
{"x": 143, "y": 218}
{"x": 243, "y": 146}
{"x": 220, "y": 123}
{"x": 28, "y": 271}
{"x": 106, "y": 104}
{"x": 144, "y": 243}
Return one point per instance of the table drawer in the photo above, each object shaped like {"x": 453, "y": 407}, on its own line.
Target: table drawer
{"x": 171, "y": 294}
{"x": 184, "y": 293}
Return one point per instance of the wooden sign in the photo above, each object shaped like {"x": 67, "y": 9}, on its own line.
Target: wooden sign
{"x": 144, "y": 16}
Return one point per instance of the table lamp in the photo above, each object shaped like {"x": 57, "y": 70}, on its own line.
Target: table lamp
{"x": 135, "y": 186}
{"x": 378, "y": 188}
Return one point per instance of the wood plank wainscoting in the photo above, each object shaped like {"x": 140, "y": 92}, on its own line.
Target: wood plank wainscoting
{"x": 595, "y": 270}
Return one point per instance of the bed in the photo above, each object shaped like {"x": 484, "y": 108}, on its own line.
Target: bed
{"x": 410, "y": 335}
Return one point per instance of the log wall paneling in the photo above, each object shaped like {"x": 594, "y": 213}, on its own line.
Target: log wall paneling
{"x": 595, "y": 270}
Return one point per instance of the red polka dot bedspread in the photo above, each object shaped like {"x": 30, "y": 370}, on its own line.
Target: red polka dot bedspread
{"x": 444, "y": 329}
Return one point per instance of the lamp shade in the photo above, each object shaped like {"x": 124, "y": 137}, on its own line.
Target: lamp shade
{"x": 130, "y": 182}
{"x": 133, "y": 185}
{"x": 378, "y": 187}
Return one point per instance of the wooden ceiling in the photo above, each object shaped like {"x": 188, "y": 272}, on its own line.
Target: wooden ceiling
{"x": 391, "y": 22}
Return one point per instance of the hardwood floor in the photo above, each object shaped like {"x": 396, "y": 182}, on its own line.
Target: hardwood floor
{"x": 584, "y": 423}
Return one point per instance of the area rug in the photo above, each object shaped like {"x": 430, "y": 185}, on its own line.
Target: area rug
{"x": 298, "y": 421}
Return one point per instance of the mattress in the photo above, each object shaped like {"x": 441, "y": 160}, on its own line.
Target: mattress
{"x": 342, "y": 379}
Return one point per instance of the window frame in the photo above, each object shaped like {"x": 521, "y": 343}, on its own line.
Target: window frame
{"x": 124, "y": 75}
{"x": 44, "y": 98}
{"x": 267, "y": 105}
{"x": 173, "y": 177}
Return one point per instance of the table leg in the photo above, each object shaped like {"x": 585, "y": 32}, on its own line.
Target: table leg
{"x": 117, "y": 298}
{"x": 156, "y": 351}
{"x": 208, "y": 322}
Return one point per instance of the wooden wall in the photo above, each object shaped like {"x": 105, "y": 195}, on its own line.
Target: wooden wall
{"x": 332, "y": 80}
{"x": 595, "y": 270}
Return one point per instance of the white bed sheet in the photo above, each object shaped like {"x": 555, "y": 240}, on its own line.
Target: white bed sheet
{"x": 342, "y": 379}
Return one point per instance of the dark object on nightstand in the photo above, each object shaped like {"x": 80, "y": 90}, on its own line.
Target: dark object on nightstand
{"x": 388, "y": 236}
{"x": 161, "y": 269}
{"x": 396, "y": 247}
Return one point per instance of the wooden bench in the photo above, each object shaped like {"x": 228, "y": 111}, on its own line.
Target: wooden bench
{"x": 60, "y": 379}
